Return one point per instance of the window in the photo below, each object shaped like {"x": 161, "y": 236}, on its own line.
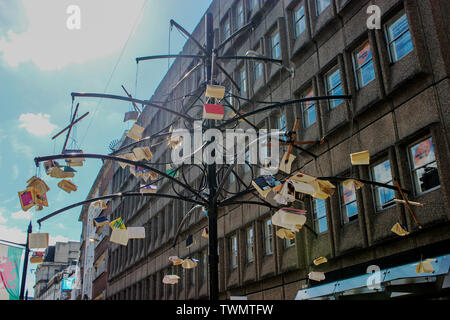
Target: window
{"x": 163, "y": 223}
{"x": 239, "y": 14}
{"x": 170, "y": 215}
{"x": 268, "y": 237}
{"x": 382, "y": 173}
{"x": 204, "y": 265}
{"x": 226, "y": 28}
{"x": 231, "y": 178}
{"x": 247, "y": 167}
{"x": 250, "y": 250}
{"x": 321, "y": 5}
{"x": 242, "y": 80}
{"x": 319, "y": 215}
{"x": 156, "y": 228}
{"x": 289, "y": 243}
{"x": 253, "y": 5}
{"x": 275, "y": 46}
{"x": 233, "y": 252}
{"x": 398, "y": 37}
{"x": 423, "y": 166}
{"x": 349, "y": 207}
{"x": 309, "y": 109}
{"x": 334, "y": 86}
{"x": 257, "y": 68}
{"x": 363, "y": 64}
{"x": 191, "y": 277}
{"x": 299, "y": 21}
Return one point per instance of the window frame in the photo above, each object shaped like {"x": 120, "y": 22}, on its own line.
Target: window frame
{"x": 268, "y": 237}
{"x": 390, "y": 41}
{"x": 316, "y": 218}
{"x": 378, "y": 206}
{"x": 234, "y": 252}
{"x": 273, "y": 35}
{"x": 357, "y": 68}
{"x": 412, "y": 170}
{"x": 328, "y": 90}
{"x": 344, "y": 214}
{"x": 250, "y": 245}
{"x": 239, "y": 12}
{"x": 301, "y": 20}
{"x": 242, "y": 79}
{"x": 226, "y": 27}
{"x": 319, "y": 9}
{"x": 304, "y": 109}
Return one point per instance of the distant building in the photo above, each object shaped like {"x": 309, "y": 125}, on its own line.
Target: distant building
{"x": 95, "y": 241}
{"x": 57, "y": 270}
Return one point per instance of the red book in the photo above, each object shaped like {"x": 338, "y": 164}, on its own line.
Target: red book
{"x": 213, "y": 111}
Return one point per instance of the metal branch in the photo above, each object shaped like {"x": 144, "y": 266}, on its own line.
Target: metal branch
{"x": 228, "y": 76}
{"x": 187, "y": 215}
{"x": 375, "y": 183}
{"x": 234, "y": 35}
{"x": 187, "y": 74}
{"x": 229, "y": 203}
{"x": 282, "y": 104}
{"x": 112, "y": 196}
{"x": 115, "y": 97}
{"x": 168, "y": 56}
{"x": 263, "y": 59}
{"x": 173, "y": 23}
{"x": 37, "y": 160}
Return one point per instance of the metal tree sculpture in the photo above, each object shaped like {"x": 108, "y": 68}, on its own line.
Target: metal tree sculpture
{"x": 211, "y": 193}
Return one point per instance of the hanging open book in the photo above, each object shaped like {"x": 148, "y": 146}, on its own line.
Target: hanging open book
{"x": 265, "y": 184}
{"x": 135, "y": 132}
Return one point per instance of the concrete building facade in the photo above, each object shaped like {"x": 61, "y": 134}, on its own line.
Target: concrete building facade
{"x": 399, "y": 111}
{"x": 59, "y": 262}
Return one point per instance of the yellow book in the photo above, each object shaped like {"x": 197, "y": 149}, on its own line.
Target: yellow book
{"x": 285, "y": 166}
{"x": 119, "y": 236}
{"x": 397, "y": 229}
{"x": 214, "y": 91}
{"x": 135, "y": 132}
{"x": 142, "y": 153}
{"x": 320, "y": 260}
{"x": 360, "y": 158}
{"x": 38, "y": 240}
{"x": 38, "y": 184}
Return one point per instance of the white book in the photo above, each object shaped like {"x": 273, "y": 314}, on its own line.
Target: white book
{"x": 136, "y": 232}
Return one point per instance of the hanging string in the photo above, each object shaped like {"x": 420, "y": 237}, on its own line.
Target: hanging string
{"x": 351, "y": 133}
{"x": 170, "y": 32}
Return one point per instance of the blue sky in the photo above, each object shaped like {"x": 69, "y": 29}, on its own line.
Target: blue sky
{"x": 42, "y": 62}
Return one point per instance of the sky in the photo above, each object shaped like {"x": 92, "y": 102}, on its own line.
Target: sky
{"x": 45, "y": 54}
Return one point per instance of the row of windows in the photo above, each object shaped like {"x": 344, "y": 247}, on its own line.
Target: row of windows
{"x": 424, "y": 174}
{"x": 398, "y": 39}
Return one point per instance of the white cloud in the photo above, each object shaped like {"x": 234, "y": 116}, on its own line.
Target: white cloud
{"x": 50, "y": 45}
{"x": 22, "y": 215}
{"x": 61, "y": 226}
{"x": 2, "y": 218}
{"x": 58, "y": 238}
{"x": 15, "y": 172}
{"x": 37, "y": 124}
{"x": 13, "y": 234}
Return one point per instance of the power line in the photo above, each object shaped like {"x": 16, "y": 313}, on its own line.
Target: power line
{"x": 133, "y": 29}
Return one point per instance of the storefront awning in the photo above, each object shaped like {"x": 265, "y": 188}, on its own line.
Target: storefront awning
{"x": 400, "y": 276}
